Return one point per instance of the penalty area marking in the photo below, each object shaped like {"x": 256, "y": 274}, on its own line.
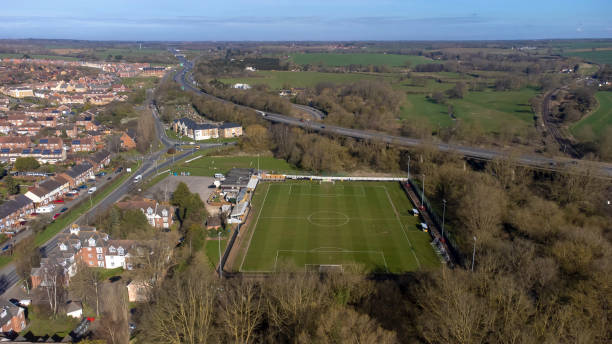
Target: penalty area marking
{"x": 382, "y": 254}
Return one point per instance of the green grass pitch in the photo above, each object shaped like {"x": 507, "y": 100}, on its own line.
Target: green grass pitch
{"x": 365, "y": 226}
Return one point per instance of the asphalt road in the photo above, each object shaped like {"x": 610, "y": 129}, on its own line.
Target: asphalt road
{"x": 535, "y": 161}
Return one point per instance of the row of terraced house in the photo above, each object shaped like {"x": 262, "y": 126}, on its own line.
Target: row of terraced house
{"x": 15, "y": 211}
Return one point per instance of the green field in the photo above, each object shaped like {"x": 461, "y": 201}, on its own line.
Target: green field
{"x": 494, "y": 111}
{"x": 35, "y": 56}
{"x": 361, "y": 226}
{"x": 594, "y": 125}
{"x": 329, "y": 59}
{"x": 209, "y": 165}
{"x": 599, "y": 56}
{"x": 282, "y": 79}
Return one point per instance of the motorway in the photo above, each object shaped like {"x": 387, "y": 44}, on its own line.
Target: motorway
{"x": 185, "y": 79}
{"x": 8, "y": 274}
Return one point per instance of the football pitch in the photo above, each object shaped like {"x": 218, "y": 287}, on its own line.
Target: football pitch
{"x": 360, "y": 226}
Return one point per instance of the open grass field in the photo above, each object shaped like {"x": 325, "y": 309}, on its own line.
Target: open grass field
{"x": 209, "y": 165}
{"x": 35, "y": 56}
{"x": 330, "y": 59}
{"x": 281, "y": 79}
{"x": 598, "y": 56}
{"x": 418, "y": 107}
{"x": 357, "y": 226}
{"x": 490, "y": 110}
{"x": 594, "y": 125}
{"x": 494, "y": 111}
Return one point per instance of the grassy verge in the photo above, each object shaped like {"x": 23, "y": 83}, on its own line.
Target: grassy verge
{"x": 212, "y": 251}
{"x": 41, "y": 325}
{"x": 74, "y": 213}
{"x": 5, "y": 260}
{"x": 108, "y": 273}
{"x": 594, "y": 126}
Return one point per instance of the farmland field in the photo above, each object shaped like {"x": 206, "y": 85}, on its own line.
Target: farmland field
{"x": 330, "y": 59}
{"x": 490, "y": 110}
{"x": 360, "y": 226}
{"x": 599, "y": 56}
{"x": 594, "y": 125}
{"x": 209, "y": 165}
{"x": 493, "y": 111}
{"x": 280, "y": 79}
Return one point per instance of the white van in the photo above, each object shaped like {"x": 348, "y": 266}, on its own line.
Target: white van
{"x": 219, "y": 176}
{"x": 137, "y": 178}
{"x": 92, "y": 190}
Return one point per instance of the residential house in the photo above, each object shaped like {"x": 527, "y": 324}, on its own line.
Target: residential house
{"x": 196, "y": 131}
{"x": 5, "y": 127}
{"x": 13, "y": 142}
{"x": 52, "y": 143}
{"x": 13, "y": 211}
{"x": 128, "y": 141}
{"x": 17, "y": 119}
{"x": 73, "y": 246}
{"x": 48, "y": 190}
{"x": 99, "y": 160}
{"x": 158, "y": 215}
{"x": 28, "y": 128}
{"x": 230, "y": 130}
{"x": 78, "y": 174}
{"x": 12, "y": 317}
{"x": 85, "y": 144}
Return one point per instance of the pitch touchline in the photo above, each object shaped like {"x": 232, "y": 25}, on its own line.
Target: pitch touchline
{"x": 254, "y": 228}
{"x": 328, "y": 218}
{"x": 402, "y": 226}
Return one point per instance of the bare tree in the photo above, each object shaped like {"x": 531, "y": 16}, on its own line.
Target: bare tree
{"x": 53, "y": 281}
{"x": 184, "y": 310}
{"x": 86, "y": 284}
{"x": 242, "y": 311}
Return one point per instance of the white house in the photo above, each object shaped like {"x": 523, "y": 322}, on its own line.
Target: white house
{"x": 242, "y": 86}
{"x": 74, "y": 309}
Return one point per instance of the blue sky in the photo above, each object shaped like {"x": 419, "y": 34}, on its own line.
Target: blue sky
{"x": 206, "y": 20}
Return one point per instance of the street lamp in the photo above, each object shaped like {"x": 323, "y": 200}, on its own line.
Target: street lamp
{"x": 220, "y": 268}
{"x": 423, "y": 193}
{"x": 473, "y": 254}
{"x": 443, "y": 213}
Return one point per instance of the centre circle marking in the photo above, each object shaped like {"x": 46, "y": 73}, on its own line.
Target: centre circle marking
{"x": 328, "y": 219}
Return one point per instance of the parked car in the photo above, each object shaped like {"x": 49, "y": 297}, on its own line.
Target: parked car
{"x": 109, "y": 178}
{"x": 56, "y": 215}
{"x": 92, "y": 190}
{"x": 83, "y": 187}
{"x": 63, "y": 210}
{"x": 34, "y": 214}
{"x": 119, "y": 170}
{"x": 59, "y": 200}
{"x": 102, "y": 173}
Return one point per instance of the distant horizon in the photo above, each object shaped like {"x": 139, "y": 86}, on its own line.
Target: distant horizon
{"x": 306, "y": 40}
{"x": 316, "y": 20}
